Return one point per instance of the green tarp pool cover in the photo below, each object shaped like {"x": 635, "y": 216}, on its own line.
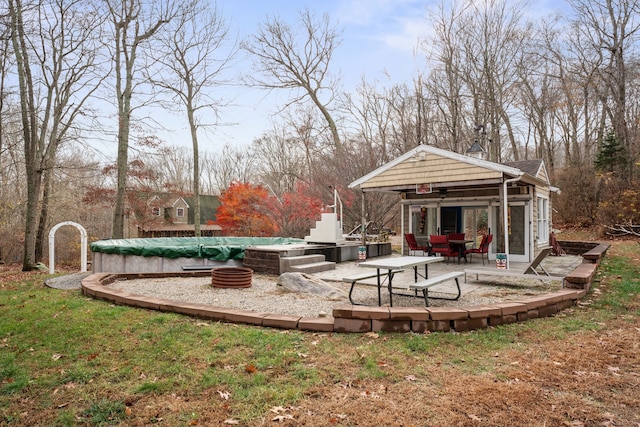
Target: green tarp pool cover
{"x": 213, "y": 248}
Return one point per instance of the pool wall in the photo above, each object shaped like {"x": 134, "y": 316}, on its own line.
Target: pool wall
{"x": 115, "y": 263}
{"x": 262, "y": 258}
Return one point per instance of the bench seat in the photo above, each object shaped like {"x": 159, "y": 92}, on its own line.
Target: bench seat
{"x": 582, "y": 276}
{"x": 596, "y": 254}
{"x": 424, "y": 285}
{"x": 372, "y": 274}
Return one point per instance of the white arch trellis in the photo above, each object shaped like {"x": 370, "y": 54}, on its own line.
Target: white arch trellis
{"x": 83, "y": 245}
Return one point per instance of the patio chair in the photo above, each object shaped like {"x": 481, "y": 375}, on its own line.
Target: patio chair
{"x": 455, "y": 236}
{"x": 440, "y": 245}
{"x": 482, "y": 249}
{"x": 556, "y": 249}
{"x": 413, "y": 244}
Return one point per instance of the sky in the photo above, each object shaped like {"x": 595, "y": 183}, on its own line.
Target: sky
{"x": 380, "y": 43}
{"x": 378, "y": 36}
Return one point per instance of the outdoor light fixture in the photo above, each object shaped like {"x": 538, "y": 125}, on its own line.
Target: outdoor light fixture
{"x": 419, "y": 157}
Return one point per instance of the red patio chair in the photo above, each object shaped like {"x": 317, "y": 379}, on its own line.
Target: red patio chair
{"x": 455, "y": 236}
{"x": 556, "y": 248}
{"x": 482, "y": 249}
{"x": 413, "y": 244}
{"x": 440, "y": 245}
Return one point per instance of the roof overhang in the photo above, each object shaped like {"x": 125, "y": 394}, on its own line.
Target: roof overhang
{"x": 507, "y": 172}
{"x": 436, "y": 186}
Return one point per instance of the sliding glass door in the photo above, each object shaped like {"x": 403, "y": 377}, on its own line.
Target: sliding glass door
{"x": 518, "y": 229}
{"x": 475, "y": 223}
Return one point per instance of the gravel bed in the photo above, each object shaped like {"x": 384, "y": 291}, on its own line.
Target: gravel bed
{"x": 68, "y": 281}
{"x": 265, "y": 296}
{"x": 262, "y": 296}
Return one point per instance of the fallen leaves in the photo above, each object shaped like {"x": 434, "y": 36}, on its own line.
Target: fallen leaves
{"x": 614, "y": 370}
{"x": 474, "y": 417}
{"x": 336, "y": 418}
{"x": 585, "y": 373}
{"x": 282, "y": 413}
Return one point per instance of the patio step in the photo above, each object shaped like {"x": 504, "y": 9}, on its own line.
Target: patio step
{"x": 314, "y": 267}
{"x": 290, "y": 261}
{"x": 314, "y": 263}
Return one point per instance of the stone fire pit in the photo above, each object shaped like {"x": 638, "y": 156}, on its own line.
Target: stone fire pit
{"x": 231, "y": 277}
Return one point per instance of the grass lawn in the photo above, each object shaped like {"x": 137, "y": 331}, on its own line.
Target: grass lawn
{"x": 68, "y": 360}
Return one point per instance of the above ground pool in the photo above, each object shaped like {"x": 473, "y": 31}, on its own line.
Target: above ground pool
{"x": 213, "y": 248}
{"x": 172, "y": 253}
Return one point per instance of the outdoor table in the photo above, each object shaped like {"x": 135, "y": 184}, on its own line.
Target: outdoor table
{"x": 461, "y": 246}
{"x": 395, "y": 263}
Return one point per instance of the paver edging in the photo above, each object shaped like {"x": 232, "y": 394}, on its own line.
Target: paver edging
{"x": 352, "y": 318}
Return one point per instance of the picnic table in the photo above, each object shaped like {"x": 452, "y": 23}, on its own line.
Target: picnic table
{"x": 387, "y": 267}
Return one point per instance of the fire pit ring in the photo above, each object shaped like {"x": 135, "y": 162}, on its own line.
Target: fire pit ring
{"x": 231, "y": 277}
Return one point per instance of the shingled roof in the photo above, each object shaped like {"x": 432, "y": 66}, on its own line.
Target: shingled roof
{"x": 531, "y": 167}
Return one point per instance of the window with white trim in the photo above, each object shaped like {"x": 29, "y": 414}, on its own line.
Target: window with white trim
{"x": 155, "y": 211}
{"x": 180, "y": 212}
{"x": 543, "y": 220}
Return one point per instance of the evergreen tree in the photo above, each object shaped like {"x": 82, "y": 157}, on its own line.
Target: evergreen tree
{"x": 611, "y": 155}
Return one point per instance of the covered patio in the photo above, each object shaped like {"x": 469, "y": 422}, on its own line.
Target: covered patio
{"x": 486, "y": 291}
{"x": 441, "y": 192}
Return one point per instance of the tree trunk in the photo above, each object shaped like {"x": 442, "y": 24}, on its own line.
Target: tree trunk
{"x": 123, "y": 152}
{"x": 41, "y": 239}
{"x": 31, "y": 218}
{"x": 330, "y": 122}
{"x": 196, "y": 171}
{"x": 29, "y": 132}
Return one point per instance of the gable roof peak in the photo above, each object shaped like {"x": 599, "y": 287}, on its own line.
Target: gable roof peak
{"x": 416, "y": 154}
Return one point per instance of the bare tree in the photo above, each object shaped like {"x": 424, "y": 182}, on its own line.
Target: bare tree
{"x": 134, "y": 23}
{"x": 5, "y": 65}
{"x": 609, "y": 30}
{"x": 229, "y": 165}
{"x": 174, "y": 166}
{"x": 280, "y": 162}
{"x": 559, "y": 96}
{"x": 371, "y": 112}
{"x": 12, "y": 179}
{"x": 55, "y": 54}
{"x": 306, "y": 129}
{"x": 476, "y": 50}
{"x": 446, "y": 83}
{"x": 288, "y": 59}
{"x": 196, "y": 57}
{"x": 413, "y": 115}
